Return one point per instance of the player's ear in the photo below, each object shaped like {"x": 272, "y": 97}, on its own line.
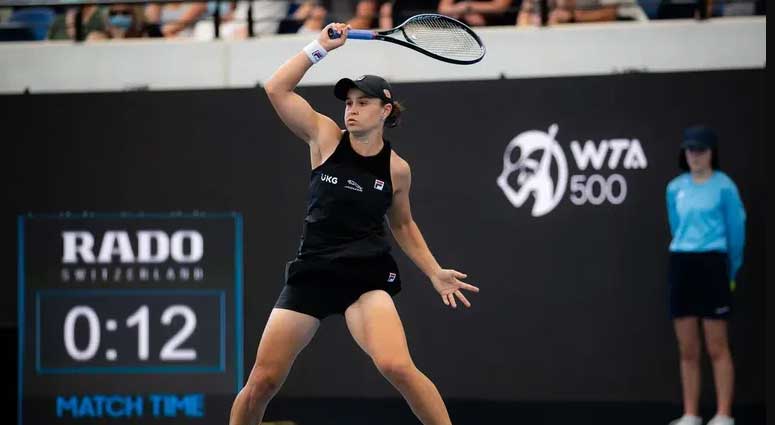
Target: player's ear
{"x": 386, "y": 110}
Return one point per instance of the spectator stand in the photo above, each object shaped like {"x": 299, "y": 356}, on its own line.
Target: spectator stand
{"x": 31, "y": 18}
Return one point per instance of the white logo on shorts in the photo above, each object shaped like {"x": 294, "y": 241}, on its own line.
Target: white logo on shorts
{"x": 722, "y": 310}
{"x": 391, "y": 277}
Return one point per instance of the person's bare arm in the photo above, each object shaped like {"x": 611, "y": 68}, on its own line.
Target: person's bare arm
{"x": 603, "y": 14}
{"x": 386, "y": 16}
{"x": 408, "y": 236}
{"x": 294, "y": 110}
{"x": 189, "y": 17}
{"x": 450, "y": 8}
{"x": 488, "y": 7}
{"x": 402, "y": 225}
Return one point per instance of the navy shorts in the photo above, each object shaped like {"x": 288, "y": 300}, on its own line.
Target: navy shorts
{"x": 698, "y": 284}
{"x": 321, "y": 288}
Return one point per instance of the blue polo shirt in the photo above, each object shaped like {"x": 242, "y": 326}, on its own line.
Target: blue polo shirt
{"x": 707, "y": 216}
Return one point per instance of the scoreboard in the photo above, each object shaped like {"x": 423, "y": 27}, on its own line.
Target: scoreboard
{"x": 129, "y": 318}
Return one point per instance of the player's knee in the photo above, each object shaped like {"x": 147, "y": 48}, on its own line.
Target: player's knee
{"x": 263, "y": 384}
{"x": 395, "y": 369}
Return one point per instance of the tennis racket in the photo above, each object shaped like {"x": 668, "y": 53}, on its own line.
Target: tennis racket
{"x": 437, "y": 36}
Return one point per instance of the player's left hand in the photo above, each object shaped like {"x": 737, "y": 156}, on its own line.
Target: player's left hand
{"x": 447, "y": 283}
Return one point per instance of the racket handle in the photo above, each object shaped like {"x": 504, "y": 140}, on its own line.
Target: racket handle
{"x": 356, "y": 34}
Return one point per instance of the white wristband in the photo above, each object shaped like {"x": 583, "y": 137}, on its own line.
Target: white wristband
{"x": 315, "y": 52}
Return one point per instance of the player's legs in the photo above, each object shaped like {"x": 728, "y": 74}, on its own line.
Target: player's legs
{"x": 376, "y": 327}
{"x": 286, "y": 333}
{"x": 717, "y": 344}
{"x": 688, "y": 334}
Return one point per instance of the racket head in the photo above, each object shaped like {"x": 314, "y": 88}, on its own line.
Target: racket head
{"x": 440, "y": 37}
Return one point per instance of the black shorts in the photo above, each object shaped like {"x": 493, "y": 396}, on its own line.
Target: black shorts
{"x": 321, "y": 288}
{"x": 698, "y": 284}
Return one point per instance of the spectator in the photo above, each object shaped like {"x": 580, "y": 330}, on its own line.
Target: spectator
{"x": 478, "y": 13}
{"x": 312, "y": 17}
{"x": 95, "y": 23}
{"x": 232, "y": 27}
{"x": 126, "y": 21}
{"x": 371, "y": 14}
{"x": 268, "y": 16}
{"x": 569, "y": 11}
{"x": 173, "y": 19}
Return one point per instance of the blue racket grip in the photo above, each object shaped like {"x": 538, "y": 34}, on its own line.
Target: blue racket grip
{"x": 356, "y": 34}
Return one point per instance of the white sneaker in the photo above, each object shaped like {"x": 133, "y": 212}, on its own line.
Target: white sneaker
{"x": 722, "y": 420}
{"x": 689, "y": 420}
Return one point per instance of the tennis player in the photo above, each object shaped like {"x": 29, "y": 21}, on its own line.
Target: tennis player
{"x": 707, "y": 222}
{"x": 344, "y": 265}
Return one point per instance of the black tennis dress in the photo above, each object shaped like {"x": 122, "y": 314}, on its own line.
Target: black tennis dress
{"x": 343, "y": 251}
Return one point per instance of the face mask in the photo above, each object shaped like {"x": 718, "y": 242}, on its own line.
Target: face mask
{"x": 121, "y": 21}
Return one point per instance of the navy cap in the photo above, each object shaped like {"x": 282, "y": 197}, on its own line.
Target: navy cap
{"x": 699, "y": 137}
{"x": 372, "y": 85}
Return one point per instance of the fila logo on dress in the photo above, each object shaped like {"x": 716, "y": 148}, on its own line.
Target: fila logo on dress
{"x": 378, "y": 184}
{"x": 391, "y": 277}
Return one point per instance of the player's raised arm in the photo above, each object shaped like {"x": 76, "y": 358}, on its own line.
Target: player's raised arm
{"x": 293, "y": 109}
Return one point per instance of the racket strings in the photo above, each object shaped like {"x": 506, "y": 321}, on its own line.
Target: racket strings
{"x": 443, "y": 37}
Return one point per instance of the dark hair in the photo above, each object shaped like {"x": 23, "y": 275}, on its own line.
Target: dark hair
{"x": 395, "y": 114}
{"x": 714, "y": 159}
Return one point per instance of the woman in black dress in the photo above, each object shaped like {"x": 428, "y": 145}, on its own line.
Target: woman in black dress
{"x": 344, "y": 264}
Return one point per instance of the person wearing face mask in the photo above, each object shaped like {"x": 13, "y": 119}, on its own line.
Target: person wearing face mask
{"x": 707, "y": 224}
{"x": 126, "y": 21}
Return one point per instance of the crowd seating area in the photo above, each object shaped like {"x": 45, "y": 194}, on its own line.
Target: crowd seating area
{"x": 197, "y": 19}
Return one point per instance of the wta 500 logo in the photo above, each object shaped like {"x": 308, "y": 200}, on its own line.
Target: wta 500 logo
{"x": 535, "y": 166}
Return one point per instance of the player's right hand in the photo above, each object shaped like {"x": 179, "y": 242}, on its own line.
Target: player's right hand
{"x": 330, "y": 44}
